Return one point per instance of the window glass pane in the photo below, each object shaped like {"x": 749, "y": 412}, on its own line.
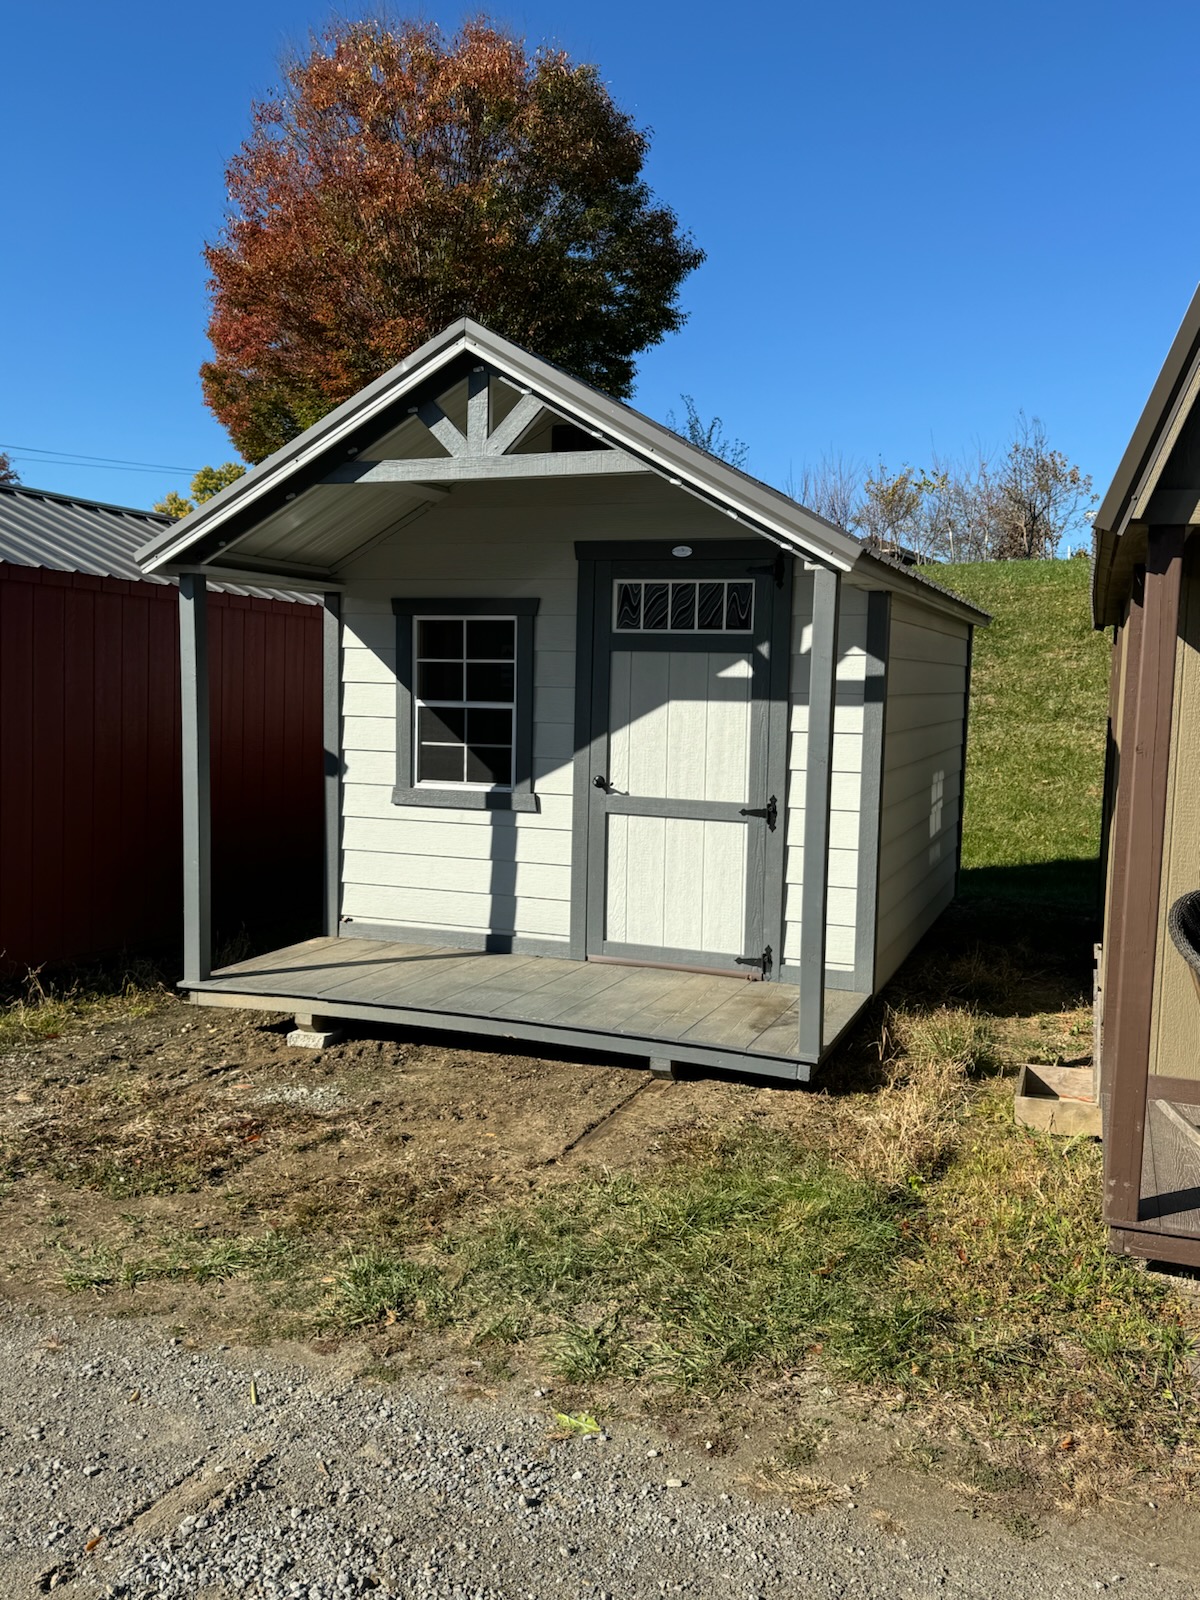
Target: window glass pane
{"x": 654, "y": 608}
{"x": 489, "y": 727}
{"x": 629, "y": 605}
{"x": 489, "y": 680}
{"x": 441, "y": 724}
{"x": 440, "y": 763}
{"x": 491, "y": 640}
{"x": 739, "y": 603}
{"x": 683, "y": 605}
{"x": 489, "y": 763}
{"x": 441, "y": 639}
{"x": 712, "y": 605}
{"x": 440, "y": 680}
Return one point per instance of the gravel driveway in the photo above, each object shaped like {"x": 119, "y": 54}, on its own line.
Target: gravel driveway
{"x": 135, "y": 1467}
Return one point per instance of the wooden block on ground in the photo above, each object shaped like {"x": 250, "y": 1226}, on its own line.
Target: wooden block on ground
{"x": 1057, "y": 1100}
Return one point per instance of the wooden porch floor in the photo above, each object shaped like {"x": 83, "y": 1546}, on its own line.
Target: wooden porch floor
{"x": 639, "y": 1011}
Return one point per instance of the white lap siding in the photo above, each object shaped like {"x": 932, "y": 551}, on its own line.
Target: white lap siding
{"x": 846, "y": 786}
{"x": 922, "y": 777}
{"x": 477, "y": 872}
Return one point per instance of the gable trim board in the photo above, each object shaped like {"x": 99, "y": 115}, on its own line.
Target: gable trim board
{"x": 524, "y": 535}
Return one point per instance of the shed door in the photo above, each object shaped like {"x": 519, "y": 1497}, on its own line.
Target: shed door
{"x": 679, "y": 804}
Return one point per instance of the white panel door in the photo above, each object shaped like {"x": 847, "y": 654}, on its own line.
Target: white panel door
{"x": 678, "y": 812}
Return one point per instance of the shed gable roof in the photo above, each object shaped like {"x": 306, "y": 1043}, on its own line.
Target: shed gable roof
{"x": 1143, "y": 489}
{"x": 335, "y": 450}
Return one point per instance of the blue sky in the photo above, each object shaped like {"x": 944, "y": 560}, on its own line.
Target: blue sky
{"x": 919, "y": 218}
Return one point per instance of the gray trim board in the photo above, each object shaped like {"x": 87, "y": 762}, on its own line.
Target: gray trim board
{"x": 749, "y": 548}
{"x": 463, "y": 468}
{"x": 197, "y": 808}
{"x": 822, "y": 691}
{"x": 962, "y": 771}
{"x": 331, "y": 654}
{"x": 407, "y": 792}
{"x": 517, "y": 944}
{"x": 870, "y": 815}
{"x": 582, "y": 768}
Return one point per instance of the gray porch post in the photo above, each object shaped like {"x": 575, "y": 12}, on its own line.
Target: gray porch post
{"x": 194, "y": 729}
{"x": 822, "y": 685}
{"x": 332, "y": 741}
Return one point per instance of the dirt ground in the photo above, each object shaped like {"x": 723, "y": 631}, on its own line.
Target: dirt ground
{"x": 200, "y": 1122}
{"x": 186, "y": 1128}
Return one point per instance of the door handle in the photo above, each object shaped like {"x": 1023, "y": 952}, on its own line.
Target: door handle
{"x": 601, "y": 782}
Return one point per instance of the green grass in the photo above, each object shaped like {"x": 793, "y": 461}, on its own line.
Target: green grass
{"x": 265, "y": 1257}
{"x": 1035, "y": 759}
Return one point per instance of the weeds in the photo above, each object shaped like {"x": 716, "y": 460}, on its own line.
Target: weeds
{"x": 42, "y": 1008}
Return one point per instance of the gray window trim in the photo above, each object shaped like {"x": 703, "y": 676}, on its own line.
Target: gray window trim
{"x": 406, "y": 791}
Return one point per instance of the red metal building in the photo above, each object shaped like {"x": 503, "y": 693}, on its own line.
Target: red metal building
{"x": 90, "y": 799}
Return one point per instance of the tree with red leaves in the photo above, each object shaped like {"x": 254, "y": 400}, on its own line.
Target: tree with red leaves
{"x": 397, "y": 181}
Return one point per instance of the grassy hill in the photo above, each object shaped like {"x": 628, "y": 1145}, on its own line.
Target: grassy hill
{"x": 1035, "y": 756}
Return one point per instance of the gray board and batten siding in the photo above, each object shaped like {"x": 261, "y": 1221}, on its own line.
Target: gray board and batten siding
{"x": 707, "y": 794}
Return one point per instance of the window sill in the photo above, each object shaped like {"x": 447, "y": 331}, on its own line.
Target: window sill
{"x": 466, "y": 799}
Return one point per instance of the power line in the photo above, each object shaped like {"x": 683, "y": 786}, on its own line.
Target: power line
{"x": 73, "y": 458}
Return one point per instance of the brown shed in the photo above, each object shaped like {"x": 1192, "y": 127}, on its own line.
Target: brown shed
{"x": 1146, "y": 588}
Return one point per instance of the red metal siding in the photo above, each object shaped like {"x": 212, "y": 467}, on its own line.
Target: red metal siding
{"x": 90, "y": 851}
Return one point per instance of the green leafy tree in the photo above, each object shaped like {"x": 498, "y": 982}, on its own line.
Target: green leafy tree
{"x": 207, "y": 482}
{"x": 397, "y": 180}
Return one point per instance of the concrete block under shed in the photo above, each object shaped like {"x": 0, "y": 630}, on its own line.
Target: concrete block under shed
{"x": 315, "y": 1033}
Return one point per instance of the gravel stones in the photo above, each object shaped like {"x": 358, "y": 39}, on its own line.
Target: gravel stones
{"x": 152, "y": 1477}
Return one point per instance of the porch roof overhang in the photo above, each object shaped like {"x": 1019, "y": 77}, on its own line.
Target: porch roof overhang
{"x": 1144, "y": 491}
{"x": 321, "y": 498}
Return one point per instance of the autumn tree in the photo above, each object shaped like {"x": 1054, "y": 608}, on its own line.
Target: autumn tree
{"x": 396, "y": 181}
{"x": 206, "y": 483}
{"x": 8, "y": 473}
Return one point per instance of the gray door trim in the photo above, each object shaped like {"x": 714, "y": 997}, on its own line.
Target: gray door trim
{"x": 817, "y": 788}
{"x": 768, "y": 752}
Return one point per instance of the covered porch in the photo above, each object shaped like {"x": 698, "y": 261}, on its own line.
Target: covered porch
{"x": 654, "y": 1013}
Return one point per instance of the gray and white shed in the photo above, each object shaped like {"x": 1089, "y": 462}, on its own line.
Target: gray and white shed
{"x": 624, "y": 749}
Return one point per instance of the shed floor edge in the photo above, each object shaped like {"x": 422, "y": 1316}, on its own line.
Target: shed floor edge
{"x": 790, "y": 1069}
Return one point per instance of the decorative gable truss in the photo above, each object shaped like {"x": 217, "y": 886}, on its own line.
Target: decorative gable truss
{"x": 485, "y": 452}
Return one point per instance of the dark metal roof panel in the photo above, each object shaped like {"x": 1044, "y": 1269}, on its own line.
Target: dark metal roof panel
{"x": 41, "y": 529}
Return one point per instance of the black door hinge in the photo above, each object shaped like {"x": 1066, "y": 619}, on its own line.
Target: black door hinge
{"x": 763, "y": 962}
{"x": 770, "y": 811}
{"x": 776, "y": 570}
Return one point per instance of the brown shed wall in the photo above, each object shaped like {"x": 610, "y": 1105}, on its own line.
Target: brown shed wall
{"x": 90, "y": 819}
{"x": 1175, "y": 1019}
